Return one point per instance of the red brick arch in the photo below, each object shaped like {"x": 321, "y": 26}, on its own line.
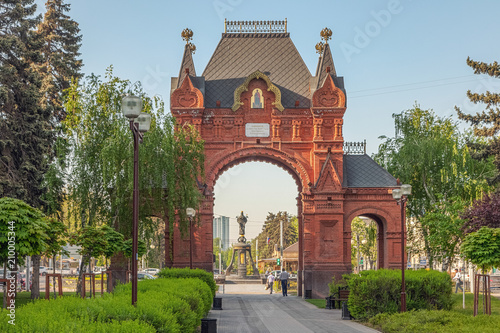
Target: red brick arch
{"x": 306, "y": 141}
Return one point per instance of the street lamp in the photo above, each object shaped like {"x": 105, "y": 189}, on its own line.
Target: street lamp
{"x": 190, "y": 212}
{"x": 139, "y": 124}
{"x": 401, "y": 195}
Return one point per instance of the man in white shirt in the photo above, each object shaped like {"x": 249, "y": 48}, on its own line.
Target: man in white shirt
{"x": 284, "y": 282}
{"x": 458, "y": 279}
{"x": 270, "y": 282}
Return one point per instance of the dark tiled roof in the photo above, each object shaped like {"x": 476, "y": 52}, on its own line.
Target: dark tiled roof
{"x": 187, "y": 62}
{"x": 363, "y": 171}
{"x": 239, "y": 55}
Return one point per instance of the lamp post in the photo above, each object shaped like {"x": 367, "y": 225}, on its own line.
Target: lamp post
{"x": 190, "y": 212}
{"x": 139, "y": 124}
{"x": 401, "y": 195}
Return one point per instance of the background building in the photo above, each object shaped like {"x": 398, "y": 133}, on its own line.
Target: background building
{"x": 221, "y": 230}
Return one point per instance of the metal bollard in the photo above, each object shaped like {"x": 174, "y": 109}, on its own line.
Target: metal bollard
{"x": 208, "y": 325}
{"x": 308, "y": 294}
{"x": 217, "y": 304}
{"x": 346, "y": 315}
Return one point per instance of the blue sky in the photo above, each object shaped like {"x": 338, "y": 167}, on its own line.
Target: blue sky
{"x": 390, "y": 53}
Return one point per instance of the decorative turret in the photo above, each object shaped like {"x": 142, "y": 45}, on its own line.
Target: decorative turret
{"x": 187, "y": 64}
{"x": 325, "y": 61}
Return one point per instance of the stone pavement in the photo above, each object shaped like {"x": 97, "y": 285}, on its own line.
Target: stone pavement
{"x": 248, "y": 308}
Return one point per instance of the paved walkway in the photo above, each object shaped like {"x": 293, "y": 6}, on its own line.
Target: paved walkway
{"x": 251, "y": 309}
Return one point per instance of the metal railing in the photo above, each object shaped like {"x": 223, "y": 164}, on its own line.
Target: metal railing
{"x": 254, "y": 26}
{"x": 355, "y": 148}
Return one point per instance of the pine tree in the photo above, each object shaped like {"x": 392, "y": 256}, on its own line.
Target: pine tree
{"x": 26, "y": 135}
{"x": 60, "y": 54}
{"x": 486, "y": 123}
{"x": 25, "y": 131}
{"x": 271, "y": 230}
{"x": 59, "y": 67}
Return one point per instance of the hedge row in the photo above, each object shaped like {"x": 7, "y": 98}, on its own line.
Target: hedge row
{"x": 205, "y": 276}
{"x": 163, "y": 305}
{"x": 374, "y": 292}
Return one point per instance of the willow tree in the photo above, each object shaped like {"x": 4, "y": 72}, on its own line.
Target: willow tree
{"x": 100, "y": 183}
{"x": 429, "y": 153}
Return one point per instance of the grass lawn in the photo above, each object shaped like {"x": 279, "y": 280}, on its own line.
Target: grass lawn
{"x": 319, "y": 302}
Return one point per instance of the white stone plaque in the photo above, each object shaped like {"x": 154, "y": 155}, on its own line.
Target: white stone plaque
{"x": 256, "y": 130}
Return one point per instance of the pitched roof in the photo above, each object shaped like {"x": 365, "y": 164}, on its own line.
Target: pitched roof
{"x": 240, "y": 54}
{"x": 363, "y": 171}
{"x": 187, "y": 62}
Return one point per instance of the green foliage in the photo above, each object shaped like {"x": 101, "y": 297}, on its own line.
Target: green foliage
{"x": 27, "y": 223}
{"x": 482, "y": 248}
{"x": 190, "y": 273}
{"x": 271, "y": 229}
{"x": 374, "y": 292}
{"x": 431, "y": 155}
{"x": 26, "y": 134}
{"x": 365, "y": 236}
{"x": 457, "y": 320}
{"x": 337, "y": 283}
{"x": 100, "y": 185}
{"x": 114, "y": 240}
{"x": 127, "y": 248}
{"x": 163, "y": 305}
{"x": 486, "y": 123}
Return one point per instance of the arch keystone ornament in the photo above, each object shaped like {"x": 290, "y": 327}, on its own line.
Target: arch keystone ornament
{"x": 299, "y": 129}
{"x": 244, "y": 87}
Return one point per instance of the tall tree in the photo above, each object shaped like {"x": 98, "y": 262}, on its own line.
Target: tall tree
{"x": 482, "y": 213}
{"x": 100, "y": 185}
{"x": 271, "y": 231}
{"x": 58, "y": 68}
{"x": 486, "y": 123}
{"x": 26, "y": 133}
{"x": 430, "y": 154}
{"x": 60, "y": 51}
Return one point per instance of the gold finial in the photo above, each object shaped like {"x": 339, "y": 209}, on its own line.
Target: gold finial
{"x": 192, "y": 47}
{"x": 326, "y": 34}
{"x": 319, "y": 48}
{"x": 187, "y": 35}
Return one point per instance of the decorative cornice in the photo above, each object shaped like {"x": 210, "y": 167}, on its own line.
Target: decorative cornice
{"x": 270, "y": 87}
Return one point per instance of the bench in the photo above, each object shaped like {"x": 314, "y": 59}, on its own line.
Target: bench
{"x": 340, "y": 296}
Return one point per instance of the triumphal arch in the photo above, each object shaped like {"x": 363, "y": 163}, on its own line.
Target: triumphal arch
{"x": 256, "y": 100}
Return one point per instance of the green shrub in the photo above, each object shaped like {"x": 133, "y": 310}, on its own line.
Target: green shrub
{"x": 337, "y": 283}
{"x": 374, "y": 292}
{"x": 163, "y": 305}
{"x": 185, "y": 273}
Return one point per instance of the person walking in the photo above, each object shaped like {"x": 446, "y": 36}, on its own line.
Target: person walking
{"x": 284, "y": 282}
{"x": 270, "y": 282}
{"x": 458, "y": 279}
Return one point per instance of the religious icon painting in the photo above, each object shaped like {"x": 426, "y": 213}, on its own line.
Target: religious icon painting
{"x": 257, "y": 100}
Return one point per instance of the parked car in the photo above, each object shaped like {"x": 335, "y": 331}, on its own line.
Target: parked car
{"x": 152, "y": 271}
{"x": 145, "y": 276}
{"x": 43, "y": 270}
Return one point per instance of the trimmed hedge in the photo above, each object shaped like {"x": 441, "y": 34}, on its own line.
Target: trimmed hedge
{"x": 374, "y": 292}
{"x": 163, "y": 305}
{"x": 184, "y": 273}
